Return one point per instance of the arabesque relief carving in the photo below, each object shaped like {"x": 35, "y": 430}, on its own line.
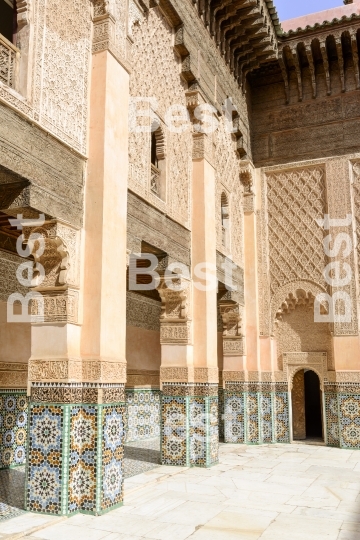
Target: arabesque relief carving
{"x": 233, "y": 337}
{"x": 175, "y": 319}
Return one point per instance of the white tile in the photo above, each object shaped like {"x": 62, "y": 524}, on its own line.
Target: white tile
{"x": 25, "y": 522}
{"x": 233, "y": 526}
{"x": 295, "y": 527}
{"x": 70, "y": 532}
{"x": 170, "y": 532}
{"x": 191, "y": 514}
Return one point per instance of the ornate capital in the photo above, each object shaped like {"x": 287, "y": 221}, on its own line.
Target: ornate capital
{"x": 175, "y": 321}
{"x": 247, "y": 174}
{"x": 233, "y": 339}
{"x": 110, "y": 30}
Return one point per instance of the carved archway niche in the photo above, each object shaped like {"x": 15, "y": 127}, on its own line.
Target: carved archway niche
{"x": 293, "y": 323}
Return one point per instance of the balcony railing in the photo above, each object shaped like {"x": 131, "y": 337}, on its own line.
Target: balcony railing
{"x": 9, "y": 61}
{"x": 155, "y": 180}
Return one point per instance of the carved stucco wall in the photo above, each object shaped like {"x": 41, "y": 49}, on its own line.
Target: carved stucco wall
{"x": 295, "y": 199}
{"x": 290, "y": 242}
{"x": 291, "y": 253}
{"x": 61, "y": 67}
{"x": 156, "y": 73}
{"x": 142, "y": 312}
{"x": 227, "y": 180}
{"x": 297, "y": 332}
{"x": 8, "y": 280}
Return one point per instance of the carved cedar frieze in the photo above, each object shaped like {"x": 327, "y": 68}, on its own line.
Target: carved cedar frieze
{"x": 13, "y": 375}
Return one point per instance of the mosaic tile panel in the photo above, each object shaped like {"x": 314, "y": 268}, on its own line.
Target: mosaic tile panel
{"x": 266, "y": 417}
{"x": 198, "y": 432}
{"x": 82, "y": 463}
{"x": 190, "y": 433}
{"x": 256, "y": 417}
{"x": 349, "y": 418}
{"x": 281, "y": 414}
{"x": 13, "y": 428}
{"x": 332, "y": 420}
{"x": 12, "y": 492}
{"x": 213, "y": 427}
{"x": 75, "y": 458}
{"x": 221, "y": 414}
{"x": 252, "y": 418}
{"x": 175, "y": 431}
{"x": 143, "y": 414}
{"x": 139, "y": 457}
{"x": 113, "y": 436}
{"x": 234, "y": 418}
{"x": 46, "y": 458}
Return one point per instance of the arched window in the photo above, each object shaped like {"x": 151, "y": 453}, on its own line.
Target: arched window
{"x": 8, "y": 19}
{"x": 225, "y": 220}
{"x": 158, "y": 163}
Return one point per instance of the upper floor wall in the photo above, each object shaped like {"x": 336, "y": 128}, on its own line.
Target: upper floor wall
{"x": 307, "y": 104}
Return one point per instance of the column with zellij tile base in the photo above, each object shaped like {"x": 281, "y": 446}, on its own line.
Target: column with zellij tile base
{"x": 188, "y": 328}
{"x": 75, "y": 457}
{"x": 77, "y": 369}
{"x": 190, "y": 435}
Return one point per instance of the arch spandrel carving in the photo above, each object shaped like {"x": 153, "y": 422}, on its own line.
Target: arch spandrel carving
{"x": 292, "y": 294}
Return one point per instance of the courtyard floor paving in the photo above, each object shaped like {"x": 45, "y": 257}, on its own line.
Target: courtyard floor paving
{"x": 270, "y": 492}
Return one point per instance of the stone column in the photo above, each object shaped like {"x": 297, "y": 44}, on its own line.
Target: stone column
{"x": 78, "y": 368}
{"x": 190, "y": 385}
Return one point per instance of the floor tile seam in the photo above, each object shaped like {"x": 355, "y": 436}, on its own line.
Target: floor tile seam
{"x": 29, "y": 532}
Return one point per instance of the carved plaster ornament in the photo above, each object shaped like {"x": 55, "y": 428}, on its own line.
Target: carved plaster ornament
{"x": 175, "y": 323}
{"x": 54, "y": 259}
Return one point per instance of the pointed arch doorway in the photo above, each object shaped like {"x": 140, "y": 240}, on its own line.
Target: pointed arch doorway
{"x": 307, "y": 407}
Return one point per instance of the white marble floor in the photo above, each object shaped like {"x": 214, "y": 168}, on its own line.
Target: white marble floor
{"x": 273, "y": 492}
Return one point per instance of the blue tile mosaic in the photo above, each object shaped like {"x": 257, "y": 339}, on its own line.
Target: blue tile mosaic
{"x": 13, "y": 428}
{"x": 75, "y": 458}
{"x": 143, "y": 411}
{"x": 190, "y": 432}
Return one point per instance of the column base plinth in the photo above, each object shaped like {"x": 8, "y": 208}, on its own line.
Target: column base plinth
{"x": 256, "y": 413}
{"x": 189, "y": 430}
{"x": 75, "y": 456}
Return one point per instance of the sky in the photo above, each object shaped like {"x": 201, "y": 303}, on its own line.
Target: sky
{"x": 288, "y": 9}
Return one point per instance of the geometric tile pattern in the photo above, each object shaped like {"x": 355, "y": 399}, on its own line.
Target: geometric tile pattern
{"x": 266, "y": 417}
{"x": 281, "y": 417}
{"x": 190, "y": 431}
{"x": 139, "y": 457}
{"x": 342, "y": 410}
{"x": 332, "y": 420}
{"x": 221, "y": 413}
{"x": 175, "y": 430}
{"x": 256, "y": 417}
{"x": 13, "y": 428}
{"x": 234, "y": 417}
{"x": 349, "y": 419}
{"x": 113, "y": 436}
{"x": 142, "y": 414}
{"x": 252, "y": 418}
{"x": 82, "y": 462}
{"x": 12, "y": 484}
{"x": 75, "y": 458}
{"x": 46, "y": 459}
